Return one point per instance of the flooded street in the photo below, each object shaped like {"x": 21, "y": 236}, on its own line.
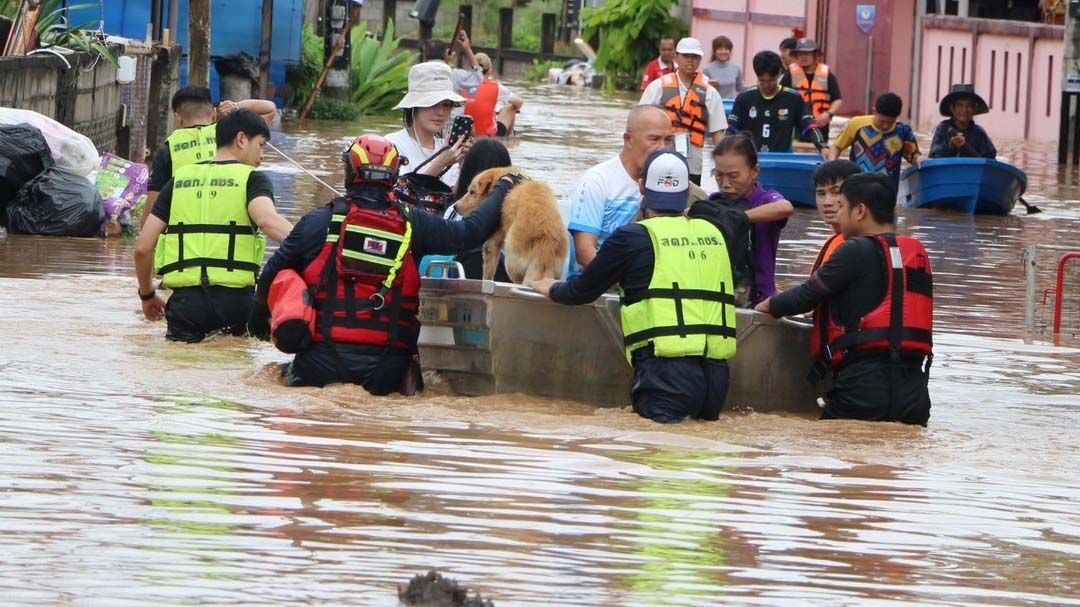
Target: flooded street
{"x": 137, "y": 472}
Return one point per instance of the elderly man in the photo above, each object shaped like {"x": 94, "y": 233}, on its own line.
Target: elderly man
{"x": 694, "y": 108}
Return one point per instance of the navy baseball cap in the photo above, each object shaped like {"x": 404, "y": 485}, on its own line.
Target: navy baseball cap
{"x": 667, "y": 182}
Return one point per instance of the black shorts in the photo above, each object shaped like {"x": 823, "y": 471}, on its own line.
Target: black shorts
{"x": 501, "y": 130}
{"x": 878, "y": 389}
{"x": 193, "y": 313}
{"x": 669, "y": 390}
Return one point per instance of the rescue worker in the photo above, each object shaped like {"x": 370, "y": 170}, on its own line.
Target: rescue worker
{"x": 195, "y": 138}
{"x": 695, "y": 108}
{"x": 873, "y": 311}
{"x": 816, "y": 83}
{"x": 493, "y": 106}
{"x": 828, "y": 179}
{"x": 209, "y": 218}
{"x": 357, "y": 256}
{"x": 677, "y": 293}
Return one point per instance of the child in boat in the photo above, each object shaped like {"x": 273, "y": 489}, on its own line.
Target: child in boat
{"x": 736, "y": 175}
{"x": 879, "y": 142}
{"x": 958, "y": 135}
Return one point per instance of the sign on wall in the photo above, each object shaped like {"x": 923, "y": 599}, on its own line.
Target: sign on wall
{"x": 865, "y": 16}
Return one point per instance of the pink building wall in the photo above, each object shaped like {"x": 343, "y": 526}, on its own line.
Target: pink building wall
{"x": 752, "y": 25}
{"x": 1015, "y": 66}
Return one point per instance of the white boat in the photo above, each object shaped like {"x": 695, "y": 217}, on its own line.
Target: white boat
{"x": 486, "y": 338}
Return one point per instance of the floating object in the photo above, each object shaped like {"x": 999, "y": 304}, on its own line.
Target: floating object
{"x": 968, "y": 185}
{"x": 728, "y": 105}
{"x": 790, "y": 174}
{"x": 488, "y": 337}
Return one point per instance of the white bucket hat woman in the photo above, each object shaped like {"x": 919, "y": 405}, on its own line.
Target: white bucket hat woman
{"x": 426, "y": 113}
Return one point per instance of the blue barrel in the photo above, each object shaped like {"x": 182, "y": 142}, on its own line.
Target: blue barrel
{"x": 791, "y": 175}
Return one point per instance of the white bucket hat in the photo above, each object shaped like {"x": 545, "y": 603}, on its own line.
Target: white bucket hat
{"x": 429, "y": 84}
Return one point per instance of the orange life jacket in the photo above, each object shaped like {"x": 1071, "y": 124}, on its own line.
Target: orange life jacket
{"x": 365, "y": 281}
{"x": 901, "y": 323}
{"x": 481, "y": 105}
{"x": 688, "y": 114}
{"x": 831, "y": 245}
{"x": 814, "y": 91}
{"x": 292, "y": 312}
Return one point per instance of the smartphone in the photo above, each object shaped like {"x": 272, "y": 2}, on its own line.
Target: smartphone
{"x": 461, "y": 127}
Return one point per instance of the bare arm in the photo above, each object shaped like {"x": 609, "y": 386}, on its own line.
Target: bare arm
{"x": 466, "y": 49}
{"x": 585, "y": 245}
{"x": 834, "y": 107}
{"x": 265, "y": 109}
{"x": 153, "y": 308}
{"x": 773, "y": 211}
{"x": 834, "y": 152}
{"x": 263, "y": 213}
{"x": 516, "y": 102}
{"x": 151, "y": 198}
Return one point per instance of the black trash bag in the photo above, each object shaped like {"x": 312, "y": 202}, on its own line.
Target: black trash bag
{"x": 57, "y": 203}
{"x": 24, "y": 154}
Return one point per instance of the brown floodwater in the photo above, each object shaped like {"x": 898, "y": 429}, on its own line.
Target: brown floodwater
{"x": 137, "y": 472}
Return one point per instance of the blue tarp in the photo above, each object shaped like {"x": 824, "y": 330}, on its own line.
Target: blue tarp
{"x": 235, "y": 26}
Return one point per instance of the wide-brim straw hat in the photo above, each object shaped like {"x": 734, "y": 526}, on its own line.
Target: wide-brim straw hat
{"x": 430, "y": 84}
{"x": 962, "y": 91}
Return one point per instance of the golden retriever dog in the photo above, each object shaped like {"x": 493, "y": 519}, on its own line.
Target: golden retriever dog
{"x": 531, "y": 231}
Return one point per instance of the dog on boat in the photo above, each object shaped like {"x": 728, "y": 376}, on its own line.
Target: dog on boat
{"x": 531, "y": 230}
{"x": 434, "y": 590}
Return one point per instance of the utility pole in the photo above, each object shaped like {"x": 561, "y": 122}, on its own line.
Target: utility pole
{"x": 1070, "y": 87}
{"x": 338, "y": 26}
{"x": 199, "y": 41}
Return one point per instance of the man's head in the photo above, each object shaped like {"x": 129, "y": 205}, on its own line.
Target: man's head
{"x": 244, "y": 134}
{"x": 963, "y": 111}
{"x": 887, "y": 110}
{"x": 648, "y": 129}
{"x": 867, "y": 205}
{"x": 806, "y": 53}
{"x": 768, "y": 66}
{"x": 787, "y": 49}
{"x": 434, "y": 50}
{"x": 828, "y": 179}
{"x": 484, "y": 62}
{"x": 688, "y": 56}
{"x": 667, "y": 49}
{"x": 665, "y": 184}
{"x": 193, "y": 106}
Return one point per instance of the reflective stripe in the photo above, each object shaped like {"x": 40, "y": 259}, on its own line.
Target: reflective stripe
{"x": 897, "y": 258}
{"x": 373, "y": 231}
{"x": 368, "y": 258}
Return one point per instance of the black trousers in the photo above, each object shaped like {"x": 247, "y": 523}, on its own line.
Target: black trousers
{"x": 696, "y": 180}
{"x": 193, "y": 313}
{"x": 365, "y": 366}
{"x": 669, "y": 390}
{"x": 880, "y": 389}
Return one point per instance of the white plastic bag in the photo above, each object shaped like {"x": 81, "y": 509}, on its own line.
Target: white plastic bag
{"x": 71, "y": 151}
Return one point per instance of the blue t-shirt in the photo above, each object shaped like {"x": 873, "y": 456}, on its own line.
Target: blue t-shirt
{"x": 605, "y": 199}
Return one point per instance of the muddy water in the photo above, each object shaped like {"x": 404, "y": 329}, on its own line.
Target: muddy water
{"x": 138, "y": 472}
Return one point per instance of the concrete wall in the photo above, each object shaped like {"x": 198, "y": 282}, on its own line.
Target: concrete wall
{"x": 1015, "y": 66}
{"x": 85, "y": 97}
{"x": 752, "y": 25}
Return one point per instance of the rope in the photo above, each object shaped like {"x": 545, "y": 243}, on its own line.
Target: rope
{"x": 301, "y": 167}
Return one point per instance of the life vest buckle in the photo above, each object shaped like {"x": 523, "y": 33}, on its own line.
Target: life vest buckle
{"x": 377, "y": 301}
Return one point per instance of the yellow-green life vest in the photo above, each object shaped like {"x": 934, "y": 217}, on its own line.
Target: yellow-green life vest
{"x": 689, "y": 307}
{"x": 210, "y": 239}
{"x": 190, "y": 145}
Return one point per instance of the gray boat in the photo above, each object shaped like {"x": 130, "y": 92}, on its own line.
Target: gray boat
{"x": 486, "y": 337}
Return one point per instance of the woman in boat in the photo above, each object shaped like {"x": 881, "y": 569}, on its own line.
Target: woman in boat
{"x": 958, "y": 135}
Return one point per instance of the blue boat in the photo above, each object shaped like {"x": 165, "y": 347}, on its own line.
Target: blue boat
{"x": 968, "y": 185}
{"x": 728, "y": 104}
{"x": 790, "y": 174}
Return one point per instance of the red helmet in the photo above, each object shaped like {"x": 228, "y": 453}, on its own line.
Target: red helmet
{"x": 371, "y": 159}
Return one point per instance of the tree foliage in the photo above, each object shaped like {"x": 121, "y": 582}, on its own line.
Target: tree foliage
{"x": 630, "y": 32}
{"x": 302, "y": 76}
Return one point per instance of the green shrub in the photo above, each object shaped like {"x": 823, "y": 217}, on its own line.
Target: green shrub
{"x": 302, "y": 76}
{"x": 538, "y": 72}
{"x": 380, "y": 75}
{"x": 326, "y": 108}
{"x": 630, "y": 31}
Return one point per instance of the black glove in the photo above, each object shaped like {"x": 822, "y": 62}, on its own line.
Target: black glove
{"x": 259, "y": 321}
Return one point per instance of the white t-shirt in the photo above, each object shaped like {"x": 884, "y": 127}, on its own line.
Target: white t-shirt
{"x": 605, "y": 199}
{"x": 410, "y": 148}
{"x": 717, "y": 118}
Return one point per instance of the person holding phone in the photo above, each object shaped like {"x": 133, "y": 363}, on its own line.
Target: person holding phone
{"x": 426, "y": 113}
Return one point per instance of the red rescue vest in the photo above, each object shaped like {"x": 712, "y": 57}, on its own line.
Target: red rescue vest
{"x": 901, "y": 323}
{"x": 481, "y": 106}
{"x": 814, "y": 91}
{"x": 292, "y": 312}
{"x": 688, "y": 114}
{"x": 365, "y": 280}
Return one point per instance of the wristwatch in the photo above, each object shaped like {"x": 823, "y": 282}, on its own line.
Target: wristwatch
{"x": 146, "y": 296}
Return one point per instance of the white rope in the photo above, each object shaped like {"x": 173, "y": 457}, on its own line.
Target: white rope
{"x": 301, "y": 167}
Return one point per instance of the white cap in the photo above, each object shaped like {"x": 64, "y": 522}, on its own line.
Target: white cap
{"x": 689, "y": 46}
{"x": 429, "y": 85}
{"x": 667, "y": 181}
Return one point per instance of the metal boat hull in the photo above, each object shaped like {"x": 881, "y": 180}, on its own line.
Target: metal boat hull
{"x": 968, "y": 185}
{"x": 492, "y": 338}
{"x": 791, "y": 175}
